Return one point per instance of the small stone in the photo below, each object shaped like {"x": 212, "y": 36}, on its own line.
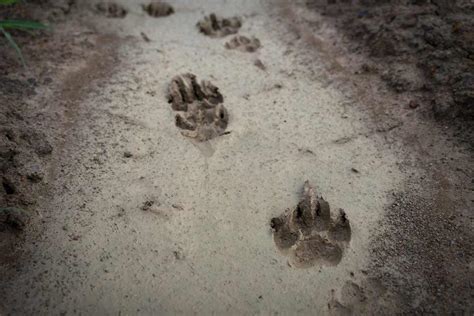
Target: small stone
{"x": 127, "y": 154}
{"x": 258, "y": 63}
{"x": 8, "y": 186}
{"x": 145, "y": 37}
{"x": 178, "y": 255}
{"x": 147, "y": 205}
{"x": 35, "y": 177}
{"x": 177, "y": 206}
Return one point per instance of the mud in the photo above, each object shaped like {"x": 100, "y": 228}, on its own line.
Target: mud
{"x": 423, "y": 255}
{"x": 158, "y": 9}
{"x": 308, "y": 235}
{"x": 12, "y": 223}
{"x": 417, "y": 277}
{"x": 111, "y": 9}
{"x": 215, "y": 26}
{"x": 29, "y": 130}
{"x": 23, "y": 151}
{"x": 243, "y": 43}
{"x": 369, "y": 297}
{"x": 14, "y": 218}
{"x": 422, "y": 46}
{"x": 204, "y": 116}
{"x": 112, "y": 192}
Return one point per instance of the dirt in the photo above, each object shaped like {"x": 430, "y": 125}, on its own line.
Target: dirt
{"x": 308, "y": 234}
{"x": 215, "y": 26}
{"x": 422, "y": 47}
{"x": 243, "y": 43}
{"x": 430, "y": 252}
{"x": 107, "y": 209}
{"x": 30, "y": 131}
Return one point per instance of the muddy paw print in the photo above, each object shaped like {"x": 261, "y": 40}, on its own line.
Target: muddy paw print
{"x": 243, "y": 43}
{"x": 203, "y": 116}
{"x": 158, "y": 9}
{"x": 308, "y": 235}
{"x": 219, "y": 27}
{"x": 111, "y": 9}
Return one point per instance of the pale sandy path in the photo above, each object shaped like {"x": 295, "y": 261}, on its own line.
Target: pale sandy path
{"x": 207, "y": 247}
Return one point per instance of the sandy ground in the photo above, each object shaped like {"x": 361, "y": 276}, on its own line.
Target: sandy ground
{"x": 205, "y": 244}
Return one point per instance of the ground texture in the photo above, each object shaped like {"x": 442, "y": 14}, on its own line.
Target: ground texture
{"x": 237, "y": 157}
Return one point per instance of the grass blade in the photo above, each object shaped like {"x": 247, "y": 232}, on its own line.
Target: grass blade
{"x": 6, "y": 2}
{"x": 22, "y": 25}
{"x": 14, "y": 45}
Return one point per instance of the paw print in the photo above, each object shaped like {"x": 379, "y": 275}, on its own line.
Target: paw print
{"x": 308, "y": 235}
{"x": 111, "y": 9}
{"x": 203, "y": 115}
{"x": 243, "y": 43}
{"x": 219, "y": 27}
{"x": 158, "y": 9}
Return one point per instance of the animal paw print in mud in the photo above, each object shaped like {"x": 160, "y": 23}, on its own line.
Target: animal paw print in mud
{"x": 111, "y": 9}
{"x": 243, "y": 43}
{"x": 203, "y": 116}
{"x": 219, "y": 27}
{"x": 158, "y": 9}
{"x": 308, "y": 235}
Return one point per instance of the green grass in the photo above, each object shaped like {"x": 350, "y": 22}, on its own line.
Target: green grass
{"x": 24, "y": 25}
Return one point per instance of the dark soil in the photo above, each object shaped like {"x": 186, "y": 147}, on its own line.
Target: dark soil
{"x": 29, "y": 124}
{"x": 429, "y": 252}
{"x": 416, "y": 46}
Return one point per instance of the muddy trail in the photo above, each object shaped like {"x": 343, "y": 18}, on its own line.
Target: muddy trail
{"x": 223, "y": 157}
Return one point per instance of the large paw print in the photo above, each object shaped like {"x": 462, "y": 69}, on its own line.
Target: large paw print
{"x": 219, "y": 27}
{"x": 308, "y": 235}
{"x": 203, "y": 115}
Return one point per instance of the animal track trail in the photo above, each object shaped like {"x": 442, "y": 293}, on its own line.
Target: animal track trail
{"x": 203, "y": 116}
{"x": 243, "y": 43}
{"x": 219, "y": 27}
{"x": 308, "y": 235}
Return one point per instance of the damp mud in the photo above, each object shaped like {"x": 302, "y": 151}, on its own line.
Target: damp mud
{"x": 226, "y": 152}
